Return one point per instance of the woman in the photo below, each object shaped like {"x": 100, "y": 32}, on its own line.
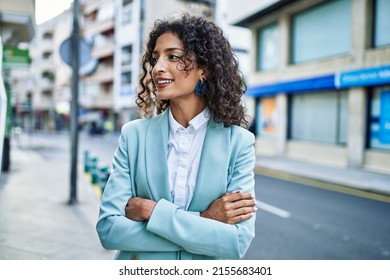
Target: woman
{"x": 182, "y": 185}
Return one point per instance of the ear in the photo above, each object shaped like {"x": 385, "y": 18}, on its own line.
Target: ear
{"x": 202, "y": 76}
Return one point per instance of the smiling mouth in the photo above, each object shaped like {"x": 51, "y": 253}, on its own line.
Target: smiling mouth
{"x": 164, "y": 82}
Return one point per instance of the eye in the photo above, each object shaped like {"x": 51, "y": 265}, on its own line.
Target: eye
{"x": 174, "y": 57}
{"x": 153, "y": 61}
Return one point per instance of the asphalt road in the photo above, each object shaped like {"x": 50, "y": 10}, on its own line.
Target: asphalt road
{"x": 298, "y": 222}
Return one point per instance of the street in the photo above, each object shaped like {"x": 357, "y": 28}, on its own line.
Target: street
{"x": 294, "y": 221}
{"x": 318, "y": 224}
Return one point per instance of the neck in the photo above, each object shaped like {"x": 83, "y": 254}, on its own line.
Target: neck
{"x": 185, "y": 112}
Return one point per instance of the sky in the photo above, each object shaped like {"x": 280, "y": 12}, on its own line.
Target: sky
{"x": 47, "y": 9}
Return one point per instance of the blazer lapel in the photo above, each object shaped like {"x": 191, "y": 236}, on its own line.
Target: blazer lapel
{"x": 156, "y": 157}
{"x": 213, "y": 169}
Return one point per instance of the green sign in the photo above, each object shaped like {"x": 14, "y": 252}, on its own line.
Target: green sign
{"x": 14, "y": 57}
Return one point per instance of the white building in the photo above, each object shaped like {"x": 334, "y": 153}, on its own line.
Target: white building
{"x": 50, "y": 77}
{"x": 17, "y": 25}
{"x": 320, "y": 78}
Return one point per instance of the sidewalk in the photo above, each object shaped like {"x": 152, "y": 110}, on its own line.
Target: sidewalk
{"x": 355, "y": 179}
{"x": 36, "y": 221}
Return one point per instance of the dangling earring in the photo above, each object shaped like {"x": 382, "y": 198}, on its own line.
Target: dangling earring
{"x": 200, "y": 88}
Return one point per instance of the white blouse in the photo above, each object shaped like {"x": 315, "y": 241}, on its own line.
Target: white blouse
{"x": 184, "y": 152}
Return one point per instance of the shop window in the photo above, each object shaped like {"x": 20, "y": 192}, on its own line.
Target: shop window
{"x": 319, "y": 117}
{"x": 322, "y": 31}
{"x": 379, "y": 120}
{"x": 268, "y": 47}
{"x": 382, "y": 23}
{"x": 266, "y": 117}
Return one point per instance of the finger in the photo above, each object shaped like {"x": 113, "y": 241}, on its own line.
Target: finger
{"x": 234, "y": 196}
{"x": 242, "y": 203}
{"x": 241, "y": 218}
{"x": 242, "y": 211}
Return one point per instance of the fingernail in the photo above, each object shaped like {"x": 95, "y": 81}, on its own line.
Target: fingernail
{"x": 255, "y": 208}
{"x": 236, "y": 191}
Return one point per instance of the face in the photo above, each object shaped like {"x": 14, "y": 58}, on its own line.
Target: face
{"x": 169, "y": 78}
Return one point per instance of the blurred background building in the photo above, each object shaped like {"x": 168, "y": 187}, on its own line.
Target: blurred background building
{"x": 318, "y": 72}
{"x": 51, "y": 78}
{"x": 320, "y": 77}
{"x": 17, "y": 27}
{"x": 115, "y": 31}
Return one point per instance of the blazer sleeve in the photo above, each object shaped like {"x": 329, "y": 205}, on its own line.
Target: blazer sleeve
{"x": 116, "y": 232}
{"x": 203, "y": 236}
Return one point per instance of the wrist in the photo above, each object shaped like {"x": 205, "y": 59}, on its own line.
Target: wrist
{"x": 148, "y": 208}
{"x": 203, "y": 214}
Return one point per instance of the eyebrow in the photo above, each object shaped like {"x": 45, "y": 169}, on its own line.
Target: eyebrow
{"x": 169, "y": 50}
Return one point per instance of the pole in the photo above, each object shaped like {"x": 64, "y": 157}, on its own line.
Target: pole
{"x": 3, "y": 108}
{"x": 74, "y": 105}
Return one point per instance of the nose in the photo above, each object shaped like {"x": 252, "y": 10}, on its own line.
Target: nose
{"x": 160, "y": 65}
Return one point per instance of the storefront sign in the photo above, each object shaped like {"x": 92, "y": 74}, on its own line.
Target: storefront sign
{"x": 363, "y": 77}
{"x": 384, "y": 118}
{"x": 14, "y": 57}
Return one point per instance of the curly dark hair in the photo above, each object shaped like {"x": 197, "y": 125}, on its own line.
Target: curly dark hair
{"x": 205, "y": 42}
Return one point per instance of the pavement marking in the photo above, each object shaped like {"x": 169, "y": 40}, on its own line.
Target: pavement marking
{"x": 272, "y": 209}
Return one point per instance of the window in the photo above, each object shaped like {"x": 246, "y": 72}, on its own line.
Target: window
{"x": 127, "y": 55}
{"x": 126, "y": 78}
{"x": 48, "y": 75}
{"x": 319, "y": 117}
{"x": 379, "y": 120}
{"x": 127, "y": 12}
{"x": 266, "y": 116}
{"x": 126, "y": 2}
{"x": 322, "y": 31}
{"x": 47, "y": 35}
{"x": 46, "y": 55}
{"x": 268, "y": 47}
{"x": 382, "y": 23}
{"x": 126, "y": 83}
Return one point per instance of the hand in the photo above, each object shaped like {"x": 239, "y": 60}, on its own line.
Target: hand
{"x": 231, "y": 208}
{"x": 139, "y": 209}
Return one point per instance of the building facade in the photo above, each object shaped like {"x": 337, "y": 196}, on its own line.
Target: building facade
{"x": 48, "y": 90}
{"x": 17, "y": 26}
{"x": 320, "y": 78}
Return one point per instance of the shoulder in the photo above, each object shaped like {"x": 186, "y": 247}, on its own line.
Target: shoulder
{"x": 135, "y": 125}
{"x": 241, "y": 135}
{"x": 142, "y": 126}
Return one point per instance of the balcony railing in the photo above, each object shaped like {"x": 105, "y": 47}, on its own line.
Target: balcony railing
{"x": 95, "y": 27}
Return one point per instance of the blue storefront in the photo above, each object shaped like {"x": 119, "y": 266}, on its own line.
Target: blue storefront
{"x": 318, "y": 107}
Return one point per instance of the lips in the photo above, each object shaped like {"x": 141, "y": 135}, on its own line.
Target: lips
{"x": 162, "y": 82}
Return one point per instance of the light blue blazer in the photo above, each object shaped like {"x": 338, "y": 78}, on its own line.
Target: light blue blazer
{"x": 140, "y": 170}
